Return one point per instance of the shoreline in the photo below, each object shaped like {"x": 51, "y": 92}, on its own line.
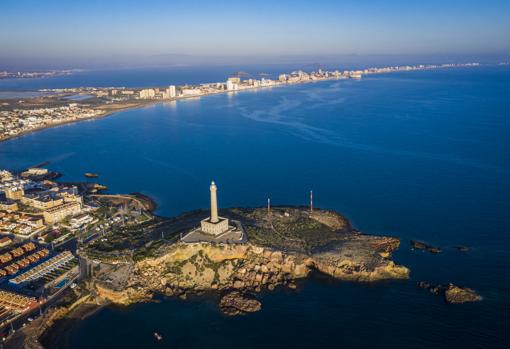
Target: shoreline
{"x": 60, "y": 330}
{"x": 145, "y": 103}
{"x": 67, "y": 122}
{"x": 57, "y": 334}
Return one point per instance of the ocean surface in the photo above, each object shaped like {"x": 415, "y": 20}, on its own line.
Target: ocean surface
{"x": 156, "y": 77}
{"x": 419, "y": 155}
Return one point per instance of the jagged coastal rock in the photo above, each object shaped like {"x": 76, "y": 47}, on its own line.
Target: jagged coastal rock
{"x": 452, "y": 293}
{"x": 282, "y": 247}
{"x": 236, "y": 303}
{"x": 419, "y": 245}
{"x": 456, "y": 294}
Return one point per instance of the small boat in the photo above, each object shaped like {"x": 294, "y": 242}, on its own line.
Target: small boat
{"x": 91, "y": 175}
{"x": 158, "y": 336}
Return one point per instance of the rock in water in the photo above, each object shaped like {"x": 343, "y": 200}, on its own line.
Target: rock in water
{"x": 455, "y": 294}
{"x": 236, "y": 303}
{"x": 452, "y": 293}
{"x": 418, "y": 245}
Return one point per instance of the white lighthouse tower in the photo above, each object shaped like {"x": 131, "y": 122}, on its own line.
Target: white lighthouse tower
{"x": 214, "y": 225}
{"x": 214, "y": 203}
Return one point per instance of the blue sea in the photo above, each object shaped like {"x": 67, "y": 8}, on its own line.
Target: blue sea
{"x": 419, "y": 155}
{"x": 145, "y": 77}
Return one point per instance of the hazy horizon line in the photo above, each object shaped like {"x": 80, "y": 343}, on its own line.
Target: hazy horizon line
{"x": 119, "y": 61}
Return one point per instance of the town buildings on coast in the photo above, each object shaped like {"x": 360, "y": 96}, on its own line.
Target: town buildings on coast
{"x": 27, "y": 207}
{"x": 34, "y": 74}
{"x": 34, "y": 215}
{"x": 42, "y": 225}
{"x": 236, "y": 83}
{"x": 18, "y": 121}
{"x": 73, "y": 104}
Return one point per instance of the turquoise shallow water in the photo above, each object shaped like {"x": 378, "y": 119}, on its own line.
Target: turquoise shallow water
{"x": 419, "y": 155}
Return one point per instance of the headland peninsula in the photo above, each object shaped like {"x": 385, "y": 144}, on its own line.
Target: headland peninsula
{"x": 19, "y": 116}
{"x": 70, "y": 249}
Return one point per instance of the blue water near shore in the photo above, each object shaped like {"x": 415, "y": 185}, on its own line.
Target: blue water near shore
{"x": 157, "y": 77}
{"x": 419, "y": 155}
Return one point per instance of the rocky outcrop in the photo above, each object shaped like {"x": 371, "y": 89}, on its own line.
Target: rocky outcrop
{"x": 418, "y": 245}
{"x": 284, "y": 246}
{"x": 236, "y": 303}
{"x": 126, "y": 296}
{"x": 202, "y": 267}
{"x": 363, "y": 258}
{"x": 452, "y": 293}
{"x": 198, "y": 267}
{"x": 455, "y": 294}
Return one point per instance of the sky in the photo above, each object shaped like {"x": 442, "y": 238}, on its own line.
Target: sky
{"x": 105, "y": 33}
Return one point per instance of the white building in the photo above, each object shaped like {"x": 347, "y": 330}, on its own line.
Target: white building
{"x": 191, "y": 92}
{"x": 172, "y": 93}
{"x": 214, "y": 225}
{"x": 78, "y": 222}
{"x": 147, "y": 93}
{"x": 232, "y": 86}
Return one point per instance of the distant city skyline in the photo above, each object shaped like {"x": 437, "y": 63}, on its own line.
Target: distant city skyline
{"x": 95, "y": 34}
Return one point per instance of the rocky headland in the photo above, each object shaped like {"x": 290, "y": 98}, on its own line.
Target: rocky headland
{"x": 283, "y": 246}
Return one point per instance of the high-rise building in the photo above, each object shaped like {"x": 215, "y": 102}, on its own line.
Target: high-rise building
{"x": 147, "y": 93}
{"x": 231, "y": 85}
{"x": 171, "y": 91}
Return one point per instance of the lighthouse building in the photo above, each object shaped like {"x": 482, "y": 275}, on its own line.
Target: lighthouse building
{"x": 215, "y": 228}
{"x": 214, "y": 225}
